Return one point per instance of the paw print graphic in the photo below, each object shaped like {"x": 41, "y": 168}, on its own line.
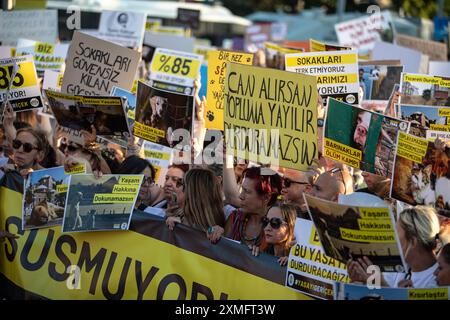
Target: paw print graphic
{"x": 210, "y": 115}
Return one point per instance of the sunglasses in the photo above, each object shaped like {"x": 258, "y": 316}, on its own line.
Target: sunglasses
{"x": 179, "y": 181}
{"x": 287, "y": 183}
{"x": 27, "y": 147}
{"x": 275, "y": 223}
{"x": 71, "y": 148}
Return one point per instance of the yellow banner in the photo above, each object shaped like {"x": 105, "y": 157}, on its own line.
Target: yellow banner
{"x": 217, "y": 70}
{"x": 117, "y": 265}
{"x": 61, "y": 188}
{"x": 371, "y": 224}
{"x": 316, "y": 60}
{"x": 374, "y": 213}
{"x": 444, "y": 112}
{"x": 428, "y": 294}
{"x": 147, "y": 133}
{"x": 337, "y": 78}
{"x": 156, "y": 155}
{"x": 342, "y": 148}
{"x": 44, "y": 48}
{"x": 80, "y": 168}
{"x": 125, "y": 189}
{"x": 440, "y": 127}
{"x": 421, "y": 79}
{"x": 113, "y": 198}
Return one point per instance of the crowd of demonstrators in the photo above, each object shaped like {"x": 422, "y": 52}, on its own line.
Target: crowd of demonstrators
{"x": 234, "y": 198}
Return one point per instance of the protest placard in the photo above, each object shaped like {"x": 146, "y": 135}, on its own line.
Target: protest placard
{"x": 270, "y": 116}
{"x": 378, "y": 79}
{"x": 412, "y": 60}
{"x": 352, "y": 232}
{"x": 309, "y": 269}
{"x": 39, "y": 25}
{"x": 52, "y": 80}
{"x": 317, "y": 46}
{"x": 361, "y": 138}
{"x": 160, "y": 157}
{"x": 130, "y": 103}
{"x": 95, "y": 66}
{"x": 44, "y": 198}
{"x": 437, "y": 51}
{"x": 163, "y": 117}
{"x": 174, "y": 71}
{"x": 421, "y": 89}
{"x": 421, "y": 173}
{"x": 23, "y": 91}
{"x": 217, "y": 70}
{"x": 7, "y": 52}
{"x": 106, "y": 114}
{"x": 362, "y": 33}
{"x": 123, "y": 27}
{"x": 439, "y": 68}
{"x": 47, "y": 56}
{"x": 336, "y": 72}
{"x": 203, "y": 51}
{"x": 104, "y": 203}
{"x": 275, "y": 55}
{"x": 188, "y": 17}
{"x": 426, "y": 121}
{"x": 350, "y": 291}
{"x": 305, "y": 46}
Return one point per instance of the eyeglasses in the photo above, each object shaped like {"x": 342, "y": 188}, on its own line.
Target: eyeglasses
{"x": 275, "y": 223}
{"x": 287, "y": 183}
{"x": 27, "y": 147}
{"x": 179, "y": 181}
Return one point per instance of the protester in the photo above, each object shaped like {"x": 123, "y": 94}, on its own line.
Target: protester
{"x": 260, "y": 189}
{"x": 295, "y": 183}
{"x": 278, "y": 227}
{"x": 173, "y": 189}
{"x": 330, "y": 184}
{"x": 418, "y": 232}
{"x": 200, "y": 212}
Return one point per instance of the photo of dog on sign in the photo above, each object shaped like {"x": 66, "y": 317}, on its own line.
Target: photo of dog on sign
{"x": 163, "y": 117}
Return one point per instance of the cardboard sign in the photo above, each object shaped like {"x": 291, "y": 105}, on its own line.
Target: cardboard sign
{"x": 347, "y": 231}
{"x": 336, "y": 72}
{"x": 52, "y": 80}
{"x": 39, "y": 25}
{"x": 106, "y": 114}
{"x": 125, "y": 28}
{"x": 104, "y": 203}
{"x": 174, "y": 70}
{"x": 317, "y": 46}
{"x": 270, "y": 116}
{"x": 412, "y": 60}
{"x": 163, "y": 117}
{"x": 23, "y": 92}
{"x": 363, "y": 33}
{"x": 378, "y": 80}
{"x": 217, "y": 71}
{"x": 95, "y": 66}
{"x": 420, "y": 173}
{"x": 47, "y": 56}
{"x": 44, "y": 198}
{"x": 309, "y": 269}
{"x": 160, "y": 157}
{"x": 435, "y": 50}
{"x": 421, "y": 89}
{"x": 188, "y": 17}
{"x": 360, "y": 138}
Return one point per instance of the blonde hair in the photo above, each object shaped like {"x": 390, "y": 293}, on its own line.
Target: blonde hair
{"x": 422, "y": 223}
{"x": 203, "y": 204}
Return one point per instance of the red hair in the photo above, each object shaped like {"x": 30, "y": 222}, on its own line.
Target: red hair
{"x": 264, "y": 184}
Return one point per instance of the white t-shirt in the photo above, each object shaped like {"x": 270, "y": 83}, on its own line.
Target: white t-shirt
{"x": 422, "y": 279}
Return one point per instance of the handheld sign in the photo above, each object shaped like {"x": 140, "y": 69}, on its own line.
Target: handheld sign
{"x": 270, "y": 116}
{"x": 336, "y": 71}
{"x": 18, "y": 83}
{"x": 217, "y": 70}
{"x": 47, "y": 56}
{"x": 174, "y": 71}
{"x": 95, "y": 66}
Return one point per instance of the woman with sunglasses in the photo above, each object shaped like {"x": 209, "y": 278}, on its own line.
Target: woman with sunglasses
{"x": 260, "y": 190}
{"x": 279, "y": 231}
{"x": 419, "y": 233}
{"x": 203, "y": 204}
{"x": 442, "y": 272}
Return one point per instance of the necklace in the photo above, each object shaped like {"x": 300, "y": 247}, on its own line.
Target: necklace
{"x": 255, "y": 240}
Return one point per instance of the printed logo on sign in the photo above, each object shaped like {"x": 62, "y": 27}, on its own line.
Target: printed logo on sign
{"x": 34, "y": 102}
{"x": 124, "y": 226}
{"x": 399, "y": 268}
{"x": 291, "y": 280}
{"x": 350, "y": 99}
